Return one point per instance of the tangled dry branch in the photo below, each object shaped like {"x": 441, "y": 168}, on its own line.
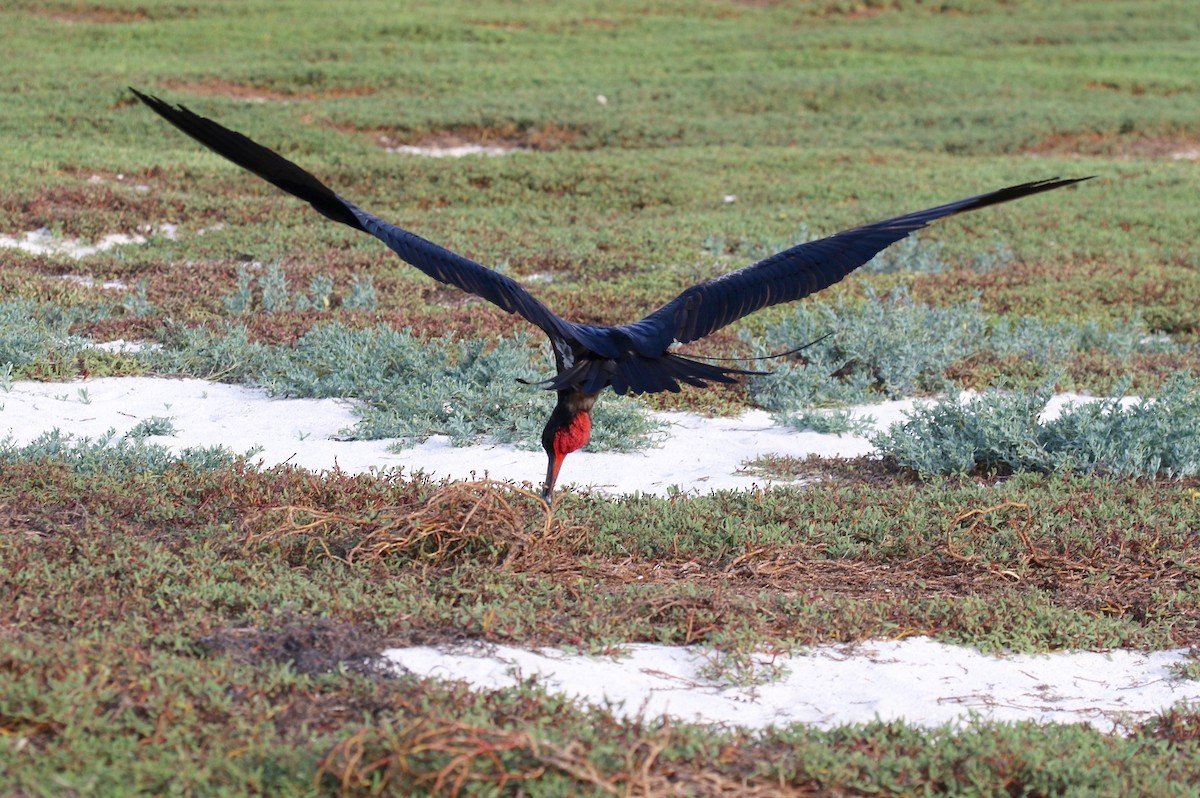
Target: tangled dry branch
{"x": 480, "y": 517}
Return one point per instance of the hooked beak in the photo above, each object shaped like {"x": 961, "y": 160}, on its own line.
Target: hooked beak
{"x": 551, "y": 477}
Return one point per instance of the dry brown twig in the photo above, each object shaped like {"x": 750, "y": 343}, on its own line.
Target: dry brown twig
{"x": 973, "y": 530}
{"x": 448, "y": 757}
{"x": 1033, "y": 554}
{"x": 458, "y": 516}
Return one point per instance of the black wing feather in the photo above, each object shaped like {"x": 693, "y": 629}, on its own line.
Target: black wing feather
{"x": 438, "y": 262}
{"x": 797, "y": 272}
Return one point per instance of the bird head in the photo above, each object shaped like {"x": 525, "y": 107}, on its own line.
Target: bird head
{"x": 568, "y": 430}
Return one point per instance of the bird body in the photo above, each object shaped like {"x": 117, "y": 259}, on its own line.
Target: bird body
{"x": 632, "y": 358}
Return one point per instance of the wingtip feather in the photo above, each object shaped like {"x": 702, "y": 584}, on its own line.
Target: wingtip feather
{"x": 254, "y": 157}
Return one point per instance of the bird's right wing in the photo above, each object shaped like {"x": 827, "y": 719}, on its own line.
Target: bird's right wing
{"x": 438, "y": 262}
{"x": 797, "y": 272}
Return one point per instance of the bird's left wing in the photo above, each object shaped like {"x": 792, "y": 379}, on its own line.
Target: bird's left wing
{"x": 438, "y": 262}
{"x": 797, "y": 272}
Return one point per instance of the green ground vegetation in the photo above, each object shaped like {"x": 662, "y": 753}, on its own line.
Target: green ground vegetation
{"x": 221, "y": 622}
{"x": 196, "y": 625}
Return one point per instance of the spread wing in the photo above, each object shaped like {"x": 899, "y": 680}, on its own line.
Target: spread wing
{"x": 438, "y": 262}
{"x": 797, "y": 272}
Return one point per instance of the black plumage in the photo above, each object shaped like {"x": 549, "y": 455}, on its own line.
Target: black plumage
{"x": 632, "y": 358}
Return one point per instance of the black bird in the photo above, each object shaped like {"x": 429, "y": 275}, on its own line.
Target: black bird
{"x": 632, "y": 358}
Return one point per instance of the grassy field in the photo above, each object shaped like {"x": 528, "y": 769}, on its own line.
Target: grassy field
{"x": 203, "y": 627}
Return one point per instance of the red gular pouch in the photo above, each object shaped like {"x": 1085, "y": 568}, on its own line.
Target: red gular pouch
{"x": 569, "y": 438}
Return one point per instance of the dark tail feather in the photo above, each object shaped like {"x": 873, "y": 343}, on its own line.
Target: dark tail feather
{"x": 268, "y": 165}
{"x": 666, "y": 372}
{"x": 696, "y": 373}
{"x": 638, "y": 375}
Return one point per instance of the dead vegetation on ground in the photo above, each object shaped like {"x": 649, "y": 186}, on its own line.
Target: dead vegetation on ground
{"x": 985, "y": 551}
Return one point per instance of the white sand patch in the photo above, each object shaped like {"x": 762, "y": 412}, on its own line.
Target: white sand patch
{"x": 300, "y": 431}
{"x": 121, "y": 345}
{"x": 917, "y": 680}
{"x": 43, "y": 242}
{"x": 120, "y": 178}
{"x": 90, "y": 282}
{"x": 451, "y": 152}
{"x": 696, "y": 455}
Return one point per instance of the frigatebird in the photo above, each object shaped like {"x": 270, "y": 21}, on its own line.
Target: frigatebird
{"x": 632, "y": 358}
